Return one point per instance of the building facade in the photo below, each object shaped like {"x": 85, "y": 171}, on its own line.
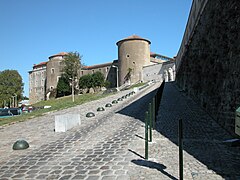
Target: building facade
{"x": 54, "y": 71}
{"x": 37, "y": 82}
{"x": 135, "y": 64}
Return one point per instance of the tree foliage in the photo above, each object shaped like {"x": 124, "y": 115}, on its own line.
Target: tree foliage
{"x": 11, "y": 84}
{"x": 72, "y": 65}
{"x": 92, "y": 80}
{"x": 98, "y": 79}
{"x": 63, "y": 87}
{"x": 86, "y": 81}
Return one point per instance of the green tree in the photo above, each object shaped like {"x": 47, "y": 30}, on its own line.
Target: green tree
{"x": 98, "y": 79}
{"x": 63, "y": 87}
{"x": 95, "y": 80}
{"x": 72, "y": 65}
{"x": 11, "y": 87}
{"x": 86, "y": 81}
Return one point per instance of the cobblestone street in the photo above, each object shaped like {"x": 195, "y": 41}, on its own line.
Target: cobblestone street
{"x": 111, "y": 144}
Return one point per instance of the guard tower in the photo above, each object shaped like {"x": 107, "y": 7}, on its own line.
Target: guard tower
{"x": 54, "y": 70}
{"x": 133, "y": 54}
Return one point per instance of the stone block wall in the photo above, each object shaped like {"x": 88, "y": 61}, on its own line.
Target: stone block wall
{"x": 158, "y": 72}
{"x": 210, "y": 67}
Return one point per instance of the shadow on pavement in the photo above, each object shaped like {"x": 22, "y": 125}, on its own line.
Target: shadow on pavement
{"x": 153, "y": 165}
{"x": 202, "y": 136}
{"x": 136, "y": 153}
{"x": 137, "y": 108}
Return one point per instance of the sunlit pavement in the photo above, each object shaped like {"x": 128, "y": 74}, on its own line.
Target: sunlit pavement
{"x": 111, "y": 144}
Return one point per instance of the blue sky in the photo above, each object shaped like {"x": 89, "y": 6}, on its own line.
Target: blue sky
{"x": 31, "y": 31}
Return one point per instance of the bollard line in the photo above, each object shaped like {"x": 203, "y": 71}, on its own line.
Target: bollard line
{"x": 180, "y": 144}
{"x": 146, "y": 135}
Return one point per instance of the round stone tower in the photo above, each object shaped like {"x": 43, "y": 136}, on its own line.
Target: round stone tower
{"x": 133, "y": 54}
{"x": 54, "y": 70}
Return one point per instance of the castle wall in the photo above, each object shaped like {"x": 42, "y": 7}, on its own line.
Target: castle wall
{"x": 210, "y": 67}
{"x": 54, "y": 72}
{"x": 159, "y": 72}
{"x": 37, "y": 80}
{"x": 107, "y": 70}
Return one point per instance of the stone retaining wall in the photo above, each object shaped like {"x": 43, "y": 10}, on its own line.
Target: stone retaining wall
{"x": 210, "y": 68}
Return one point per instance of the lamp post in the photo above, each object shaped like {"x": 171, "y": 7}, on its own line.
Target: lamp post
{"x": 72, "y": 88}
{"x": 9, "y": 102}
{"x": 117, "y": 74}
{"x": 16, "y": 103}
{"x": 13, "y": 102}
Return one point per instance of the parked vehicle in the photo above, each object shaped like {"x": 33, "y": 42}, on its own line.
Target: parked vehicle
{"x": 10, "y": 111}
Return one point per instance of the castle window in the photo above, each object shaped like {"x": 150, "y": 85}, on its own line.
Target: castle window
{"x": 52, "y": 71}
{"x": 58, "y": 78}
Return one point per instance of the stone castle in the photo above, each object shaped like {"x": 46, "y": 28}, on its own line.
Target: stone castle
{"x": 135, "y": 64}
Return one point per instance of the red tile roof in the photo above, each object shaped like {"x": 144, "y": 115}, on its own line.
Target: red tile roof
{"x": 133, "y": 37}
{"x": 96, "y": 66}
{"x": 40, "y": 64}
{"x": 59, "y": 54}
{"x": 153, "y": 54}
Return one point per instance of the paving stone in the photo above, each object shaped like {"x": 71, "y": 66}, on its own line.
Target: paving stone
{"x": 107, "y": 172}
{"x": 78, "y": 177}
{"x": 53, "y": 176}
{"x": 109, "y": 177}
{"x": 120, "y": 172}
{"x": 117, "y": 167}
{"x": 32, "y": 171}
{"x": 18, "y": 176}
{"x": 56, "y": 172}
{"x": 93, "y": 178}
{"x": 65, "y": 177}
{"x": 93, "y": 172}
{"x": 42, "y": 176}
{"x": 6, "y": 175}
{"x": 99, "y": 149}
{"x": 123, "y": 177}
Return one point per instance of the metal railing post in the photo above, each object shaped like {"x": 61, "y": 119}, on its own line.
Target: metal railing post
{"x": 153, "y": 113}
{"x": 180, "y": 144}
{"x": 150, "y": 121}
{"x": 146, "y": 135}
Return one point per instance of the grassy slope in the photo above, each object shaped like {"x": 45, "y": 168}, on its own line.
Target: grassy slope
{"x": 56, "y": 104}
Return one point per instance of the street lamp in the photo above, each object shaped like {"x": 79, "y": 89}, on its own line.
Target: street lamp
{"x": 13, "y": 102}
{"x": 72, "y": 88}
{"x": 16, "y": 103}
{"x": 117, "y": 74}
{"x": 9, "y": 102}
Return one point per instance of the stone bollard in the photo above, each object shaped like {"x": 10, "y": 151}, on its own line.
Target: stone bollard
{"x": 66, "y": 121}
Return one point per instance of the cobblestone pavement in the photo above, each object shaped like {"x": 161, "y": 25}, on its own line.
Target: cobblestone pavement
{"x": 97, "y": 149}
{"x": 206, "y": 156}
{"x": 111, "y": 144}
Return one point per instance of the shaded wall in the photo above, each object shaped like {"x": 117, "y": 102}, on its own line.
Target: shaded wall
{"x": 210, "y": 65}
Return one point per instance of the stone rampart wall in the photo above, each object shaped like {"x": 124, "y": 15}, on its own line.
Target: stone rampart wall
{"x": 210, "y": 67}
